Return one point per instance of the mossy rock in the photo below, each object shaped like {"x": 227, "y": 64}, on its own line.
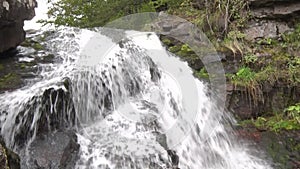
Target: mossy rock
{"x": 10, "y": 81}
{"x": 1, "y": 67}
{"x": 33, "y": 44}
{"x": 166, "y": 41}
{"x": 175, "y": 49}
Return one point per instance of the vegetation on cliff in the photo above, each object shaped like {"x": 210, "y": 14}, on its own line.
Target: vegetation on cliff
{"x": 261, "y": 63}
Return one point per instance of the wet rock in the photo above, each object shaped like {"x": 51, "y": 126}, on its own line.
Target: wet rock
{"x": 240, "y": 105}
{"x": 10, "y": 81}
{"x": 174, "y": 158}
{"x": 12, "y": 16}
{"x": 162, "y": 140}
{"x": 154, "y": 72}
{"x": 70, "y": 154}
{"x": 54, "y": 110}
{"x": 53, "y": 151}
{"x": 283, "y": 148}
{"x": 8, "y": 159}
{"x": 275, "y": 99}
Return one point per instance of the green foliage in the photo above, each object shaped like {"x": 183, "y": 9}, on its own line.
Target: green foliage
{"x": 293, "y": 112}
{"x": 234, "y": 41}
{"x": 287, "y": 120}
{"x": 266, "y": 41}
{"x": 268, "y": 74}
{"x": 250, "y": 58}
{"x": 293, "y": 38}
{"x": 244, "y": 76}
{"x": 294, "y": 70}
{"x": 277, "y": 123}
{"x": 175, "y": 49}
{"x": 247, "y": 78}
{"x": 166, "y": 41}
{"x": 235, "y": 34}
{"x": 186, "y": 49}
{"x": 84, "y": 13}
{"x": 223, "y": 16}
{"x": 202, "y": 74}
{"x": 33, "y": 44}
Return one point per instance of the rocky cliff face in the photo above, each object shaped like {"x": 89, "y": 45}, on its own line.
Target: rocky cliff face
{"x": 272, "y": 17}
{"x": 12, "y": 16}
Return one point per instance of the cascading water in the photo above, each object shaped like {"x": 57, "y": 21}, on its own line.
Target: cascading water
{"x": 121, "y": 109}
{"x": 127, "y": 108}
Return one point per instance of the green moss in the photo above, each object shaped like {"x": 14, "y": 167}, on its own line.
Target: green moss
{"x": 10, "y": 81}
{"x": 22, "y": 65}
{"x": 1, "y": 67}
{"x": 202, "y": 74}
{"x": 166, "y": 41}
{"x": 38, "y": 46}
{"x": 27, "y": 43}
{"x": 175, "y": 49}
{"x": 33, "y": 44}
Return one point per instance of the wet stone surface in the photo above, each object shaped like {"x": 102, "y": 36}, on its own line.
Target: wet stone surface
{"x": 282, "y": 148}
{"x": 54, "y": 150}
{"x": 21, "y": 65}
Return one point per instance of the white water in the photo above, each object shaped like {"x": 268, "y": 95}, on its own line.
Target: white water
{"x": 123, "y": 112}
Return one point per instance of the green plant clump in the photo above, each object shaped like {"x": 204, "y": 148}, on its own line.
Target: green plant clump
{"x": 288, "y": 120}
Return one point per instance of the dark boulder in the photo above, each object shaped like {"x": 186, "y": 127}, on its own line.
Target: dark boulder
{"x": 54, "y": 110}
{"x": 57, "y": 150}
{"x": 174, "y": 158}
{"x": 12, "y": 16}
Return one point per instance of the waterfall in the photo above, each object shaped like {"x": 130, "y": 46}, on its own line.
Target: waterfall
{"x": 127, "y": 107}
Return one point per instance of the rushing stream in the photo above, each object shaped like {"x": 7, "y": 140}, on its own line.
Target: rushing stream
{"x": 130, "y": 107}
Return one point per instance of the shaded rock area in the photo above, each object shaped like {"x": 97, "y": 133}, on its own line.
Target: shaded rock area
{"x": 8, "y": 159}
{"x": 12, "y": 16}
{"x": 275, "y": 99}
{"x": 70, "y": 154}
{"x": 283, "y": 148}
